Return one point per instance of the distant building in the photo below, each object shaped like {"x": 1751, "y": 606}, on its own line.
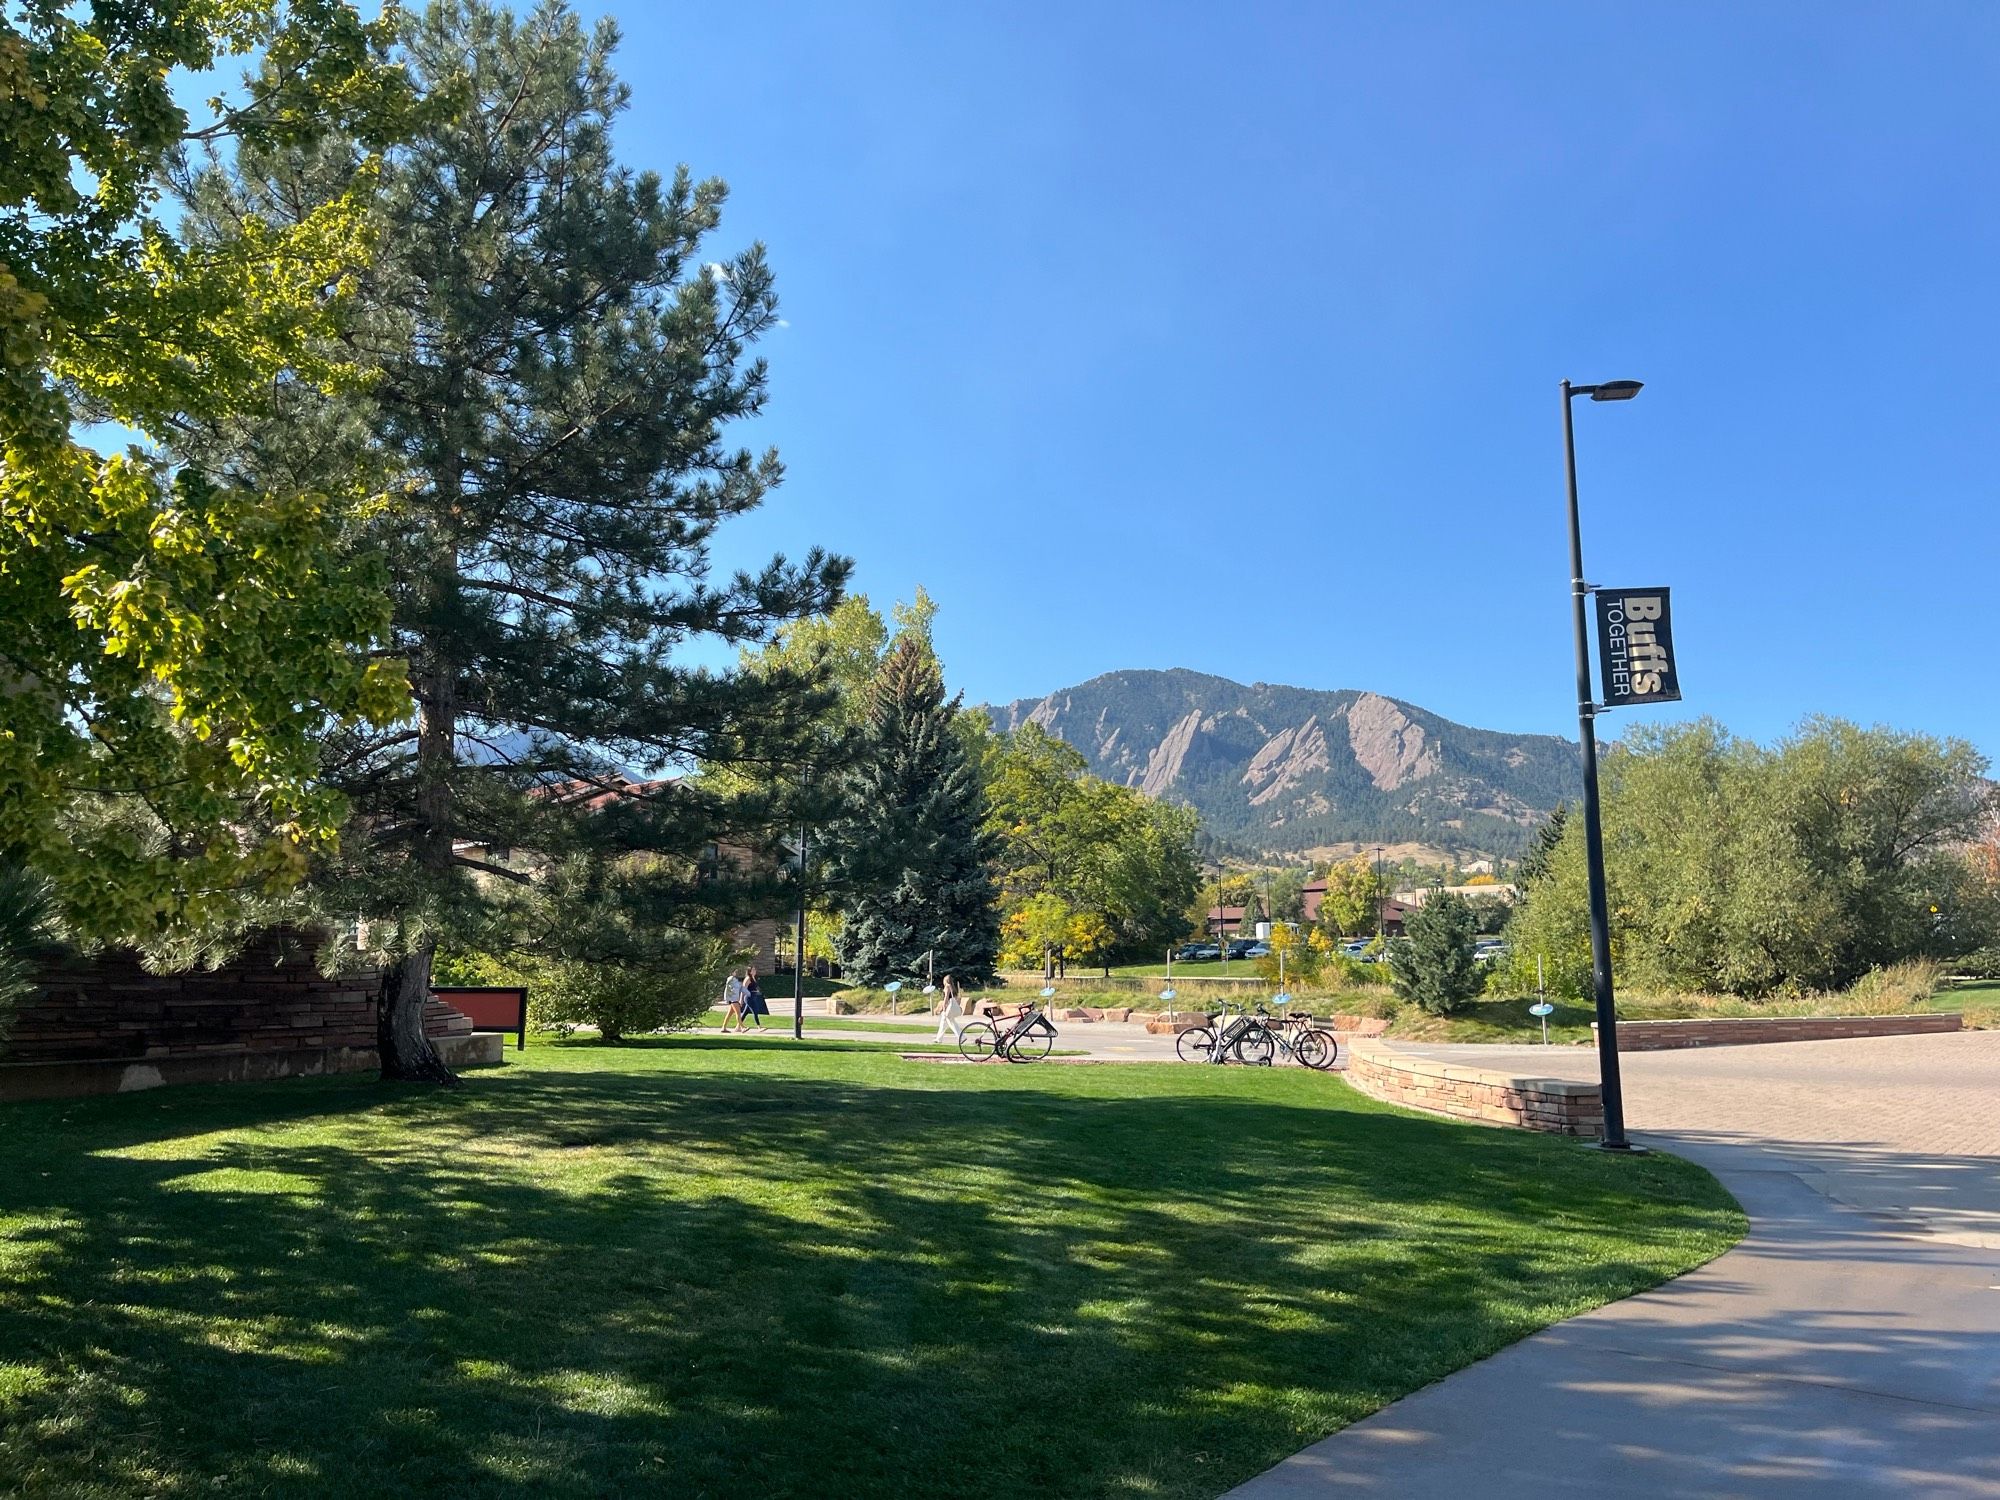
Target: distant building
{"x": 1418, "y": 895}
{"x": 1313, "y": 895}
{"x": 1225, "y": 921}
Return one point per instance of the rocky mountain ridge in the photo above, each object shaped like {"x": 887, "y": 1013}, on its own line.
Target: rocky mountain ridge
{"x": 1277, "y": 770}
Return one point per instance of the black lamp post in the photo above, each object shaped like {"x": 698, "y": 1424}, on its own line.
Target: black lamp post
{"x": 1593, "y": 832}
{"x": 799, "y": 956}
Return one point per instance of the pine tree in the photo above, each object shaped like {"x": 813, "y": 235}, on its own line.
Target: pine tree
{"x": 554, "y": 365}
{"x": 1534, "y": 866}
{"x": 1435, "y": 969}
{"x": 912, "y": 855}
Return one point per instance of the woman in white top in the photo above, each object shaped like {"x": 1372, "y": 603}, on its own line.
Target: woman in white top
{"x": 954, "y": 1009}
{"x": 732, "y": 1000}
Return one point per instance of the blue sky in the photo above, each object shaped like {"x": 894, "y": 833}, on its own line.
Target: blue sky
{"x": 1228, "y": 337}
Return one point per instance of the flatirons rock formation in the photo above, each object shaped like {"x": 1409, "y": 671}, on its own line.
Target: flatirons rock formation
{"x": 1280, "y": 770}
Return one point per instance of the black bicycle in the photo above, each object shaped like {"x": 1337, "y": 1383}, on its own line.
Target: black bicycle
{"x": 1301, "y": 1039}
{"x": 1256, "y": 1039}
{"x": 1240, "y": 1040}
{"x": 1026, "y": 1036}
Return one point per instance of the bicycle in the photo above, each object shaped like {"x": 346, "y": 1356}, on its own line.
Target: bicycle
{"x": 1254, "y": 1040}
{"x": 1028, "y": 1036}
{"x": 1241, "y": 1039}
{"x": 1308, "y": 1044}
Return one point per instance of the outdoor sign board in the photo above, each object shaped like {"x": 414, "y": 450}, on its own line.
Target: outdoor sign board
{"x": 1635, "y": 647}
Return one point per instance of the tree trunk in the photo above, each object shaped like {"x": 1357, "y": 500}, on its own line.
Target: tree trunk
{"x": 407, "y": 1053}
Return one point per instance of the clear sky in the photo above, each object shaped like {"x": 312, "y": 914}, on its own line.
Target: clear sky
{"x": 1228, "y": 336}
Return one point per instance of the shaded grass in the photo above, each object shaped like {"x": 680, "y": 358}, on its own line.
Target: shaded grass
{"x": 701, "y": 1266}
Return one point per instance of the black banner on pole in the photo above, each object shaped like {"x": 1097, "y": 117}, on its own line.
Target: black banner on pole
{"x": 1635, "y": 647}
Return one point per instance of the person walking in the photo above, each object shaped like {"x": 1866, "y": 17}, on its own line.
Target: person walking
{"x": 732, "y": 999}
{"x": 754, "y": 1005}
{"x": 954, "y": 1010}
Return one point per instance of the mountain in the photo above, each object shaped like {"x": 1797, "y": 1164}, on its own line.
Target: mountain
{"x": 1283, "y": 770}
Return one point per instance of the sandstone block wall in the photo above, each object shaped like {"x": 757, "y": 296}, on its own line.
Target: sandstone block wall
{"x": 1732, "y": 1031}
{"x": 1489, "y": 1096}
{"x": 104, "y": 1024}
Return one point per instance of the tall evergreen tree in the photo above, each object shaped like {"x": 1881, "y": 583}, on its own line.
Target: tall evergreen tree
{"x": 913, "y": 855}
{"x": 554, "y": 365}
{"x": 1534, "y": 866}
{"x": 1436, "y": 969}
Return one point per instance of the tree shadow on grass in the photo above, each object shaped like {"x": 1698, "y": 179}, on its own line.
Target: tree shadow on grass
{"x": 765, "y": 1283}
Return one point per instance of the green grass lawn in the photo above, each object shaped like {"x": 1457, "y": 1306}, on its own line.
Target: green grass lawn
{"x": 710, "y": 1267}
{"x": 1979, "y": 1001}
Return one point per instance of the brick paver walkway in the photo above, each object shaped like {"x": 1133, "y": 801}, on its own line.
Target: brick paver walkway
{"x": 1903, "y": 1125}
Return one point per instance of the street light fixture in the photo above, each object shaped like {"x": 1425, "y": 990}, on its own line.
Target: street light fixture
{"x": 1611, "y": 390}
{"x": 1611, "y": 1086}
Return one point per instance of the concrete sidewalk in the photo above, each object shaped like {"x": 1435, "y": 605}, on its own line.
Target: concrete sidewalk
{"x": 1838, "y": 1351}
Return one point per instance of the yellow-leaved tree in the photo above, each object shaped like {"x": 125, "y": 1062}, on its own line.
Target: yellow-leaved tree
{"x": 172, "y": 643}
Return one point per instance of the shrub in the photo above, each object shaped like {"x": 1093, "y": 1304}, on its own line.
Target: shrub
{"x": 1435, "y": 970}
{"x": 670, "y": 991}
{"x": 1895, "y": 987}
{"x": 621, "y": 1000}
{"x": 1981, "y": 963}
{"x": 475, "y": 970}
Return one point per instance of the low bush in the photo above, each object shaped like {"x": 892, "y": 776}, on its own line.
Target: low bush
{"x": 1896, "y": 987}
{"x": 617, "y": 999}
{"x": 1981, "y": 963}
{"x": 622, "y": 1000}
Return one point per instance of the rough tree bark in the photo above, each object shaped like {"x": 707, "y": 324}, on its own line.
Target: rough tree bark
{"x": 407, "y": 1053}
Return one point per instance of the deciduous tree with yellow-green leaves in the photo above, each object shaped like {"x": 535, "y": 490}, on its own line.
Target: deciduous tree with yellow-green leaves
{"x": 172, "y": 644}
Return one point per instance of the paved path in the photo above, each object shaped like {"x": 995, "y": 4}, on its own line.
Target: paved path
{"x": 1850, "y": 1346}
{"x": 1107, "y": 1041}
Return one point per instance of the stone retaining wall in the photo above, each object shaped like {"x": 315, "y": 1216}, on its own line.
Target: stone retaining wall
{"x": 69, "y": 1080}
{"x": 1734, "y": 1031}
{"x": 1189, "y": 986}
{"x": 105, "y": 1025}
{"x": 1487, "y": 1095}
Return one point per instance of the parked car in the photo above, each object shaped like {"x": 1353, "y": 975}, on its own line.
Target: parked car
{"x": 1190, "y": 952}
{"x": 1257, "y": 950}
{"x": 1241, "y": 948}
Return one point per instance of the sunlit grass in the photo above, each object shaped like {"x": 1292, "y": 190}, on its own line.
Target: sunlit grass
{"x": 706, "y": 1266}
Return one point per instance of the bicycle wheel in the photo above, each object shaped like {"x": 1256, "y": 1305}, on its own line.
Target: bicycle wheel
{"x": 1310, "y": 1048}
{"x": 978, "y": 1041}
{"x": 1031, "y": 1045}
{"x": 1329, "y": 1049}
{"x": 1254, "y": 1047}
{"x": 1195, "y": 1045}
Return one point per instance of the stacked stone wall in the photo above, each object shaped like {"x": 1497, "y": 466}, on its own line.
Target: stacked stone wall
{"x": 105, "y": 1023}
{"x": 1733, "y": 1031}
{"x": 1486, "y": 1095}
